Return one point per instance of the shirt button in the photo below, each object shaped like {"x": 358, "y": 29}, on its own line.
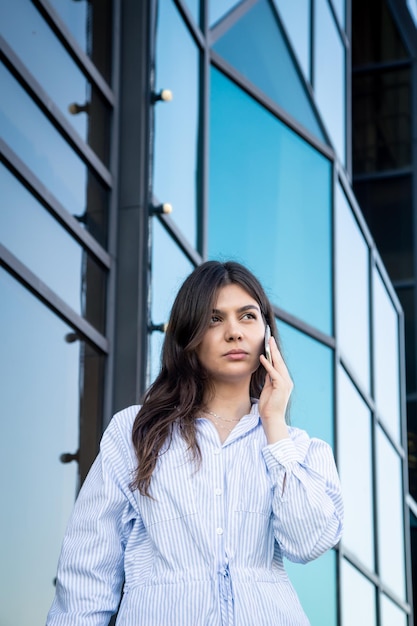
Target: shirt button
{"x": 216, "y": 451}
{"x": 218, "y": 492}
{"x": 219, "y": 531}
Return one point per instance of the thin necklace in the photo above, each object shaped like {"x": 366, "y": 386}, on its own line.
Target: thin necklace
{"x": 222, "y": 419}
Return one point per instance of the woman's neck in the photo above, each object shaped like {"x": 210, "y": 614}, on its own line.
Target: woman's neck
{"x": 229, "y": 402}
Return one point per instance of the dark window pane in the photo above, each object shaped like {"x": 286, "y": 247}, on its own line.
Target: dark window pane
{"x": 375, "y": 35}
{"x": 177, "y": 123}
{"x": 270, "y": 203}
{"x": 35, "y": 140}
{"x": 387, "y": 207}
{"x": 53, "y": 255}
{"x": 381, "y": 110}
{"x": 412, "y": 448}
{"x": 44, "y": 373}
{"x": 407, "y": 297}
{"x": 91, "y": 25}
{"x": 256, "y": 47}
{"x": 45, "y": 57}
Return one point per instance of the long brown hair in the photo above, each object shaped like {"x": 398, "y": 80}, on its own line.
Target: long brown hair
{"x": 176, "y": 396}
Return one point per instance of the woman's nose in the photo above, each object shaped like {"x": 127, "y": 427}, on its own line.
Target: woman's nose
{"x": 233, "y": 332}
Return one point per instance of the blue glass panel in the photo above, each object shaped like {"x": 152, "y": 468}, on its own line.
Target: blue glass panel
{"x": 311, "y": 367}
{"x": 42, "y": 244}
{"x": 340, "y": 8}
{"x": 386, "y": 357}
{"x": 40, "y": 146}
{"x": 91, "y": 24}
{"x": 352, "y": 279}
{"x": 354, "y": 433}
{"x": 390, "y": 505}
{"x": 330, "y": 76}
{"x": 270, "y": 203}
{"x": 391, "y": 614}
{"x": 44, "y": 56}
{"x": 219, "y": 8}
{"x": 177, "y": 122}
{"x": 358, "y": 597}
{"x": 296, "y": 18}
{"x": 194, "y": 6}
{"x": 316, "y": 586}
{"x": 40, "y": 378}
{"x": 255, "y": 46}
{"x": 169, "y": 269}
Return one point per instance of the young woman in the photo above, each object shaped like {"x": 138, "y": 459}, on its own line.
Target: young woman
{"x": 197, "y": 495}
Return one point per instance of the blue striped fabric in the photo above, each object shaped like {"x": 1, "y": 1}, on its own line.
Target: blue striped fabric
{"x": 208, "y": 549}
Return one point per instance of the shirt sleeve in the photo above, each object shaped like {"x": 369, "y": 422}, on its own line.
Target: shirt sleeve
{"x": 91, "y": 565}
{"x": 307, "y": 502}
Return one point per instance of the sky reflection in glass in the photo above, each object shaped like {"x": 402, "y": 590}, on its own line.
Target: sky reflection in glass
{"x": 255, "y": 47}
{"x": 352, "y": 279}
{"x": 270, "y": 203}
{"x": 329, "y": 76}
{"x": 358, "y": 597}
{"x": 354, "y": 432}
{"x": 176, "y": 122}
{"x": 40, "y": 374}
{"x": 296, "y": 18}
{"x": 311, "y": 367}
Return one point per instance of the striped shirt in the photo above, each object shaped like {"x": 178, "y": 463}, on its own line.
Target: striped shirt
{"x": 208, "y": 549}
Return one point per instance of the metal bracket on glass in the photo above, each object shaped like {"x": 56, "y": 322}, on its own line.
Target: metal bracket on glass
{"x": 68, "y": 457}
{"x": 162, "y": 328}
{"x": 160, "y": 209}
{"x": 165, "y": 95}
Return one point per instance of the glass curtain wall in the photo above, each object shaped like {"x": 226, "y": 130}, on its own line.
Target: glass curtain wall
{"x": 258, "y": 173}
{"x": 55, "y": 184}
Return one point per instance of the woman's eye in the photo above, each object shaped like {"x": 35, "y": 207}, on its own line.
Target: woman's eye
{"x": 214, "y": 319}
{"x": 249, "y": 316}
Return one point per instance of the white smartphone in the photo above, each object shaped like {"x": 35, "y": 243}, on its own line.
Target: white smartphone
{"x": 267, "y": 348}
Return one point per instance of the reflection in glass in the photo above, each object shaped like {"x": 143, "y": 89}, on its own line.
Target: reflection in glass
{"x": 169, "y": 269}
{"x": 358, "y": 597}
{"x": 177, "y": 122}
{"x": 40, "y": 374}
{"x": 46, "y": 153}
{"x": 354, "y": 433}
{"x": 407, "y": 300}
{"x": 219, "y": 8}
{"x": 296, "y": 18}
{"x": 329, "y": 75}
{"x": 194, "y": 7}
{"x": 387, "y": 205}
{"x": 390, "y": 516}
{"x": 383, "y": 125}
{"x": 311, "y": 367}
{"x": 256, "y": 47}
{"x": 352, "y": 278}
{"x": 40, "y": 243}
{"x": 316, "y": 587}
{"x": 391, "y": 614}
{"x": 386, "y": 357}
{"x": 44, "y": 56}
{"x": 340, "y": 8}
{"x": 91, "y": 25}
{"x": 281, "y": 185}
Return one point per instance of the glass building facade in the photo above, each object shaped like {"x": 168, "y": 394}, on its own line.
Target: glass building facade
{"x": 270, "y": 152}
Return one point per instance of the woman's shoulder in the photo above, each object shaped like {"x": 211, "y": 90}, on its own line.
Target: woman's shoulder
{"x": 119, "y": 429}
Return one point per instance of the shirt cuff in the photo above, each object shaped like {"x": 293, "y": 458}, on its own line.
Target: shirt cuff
{"x": 282, "y": 453}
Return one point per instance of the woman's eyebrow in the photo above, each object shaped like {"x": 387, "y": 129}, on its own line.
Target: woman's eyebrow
{"x": 242, "y": 309}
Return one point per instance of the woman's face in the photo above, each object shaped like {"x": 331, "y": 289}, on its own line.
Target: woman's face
{"x": 233, "y": 341}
